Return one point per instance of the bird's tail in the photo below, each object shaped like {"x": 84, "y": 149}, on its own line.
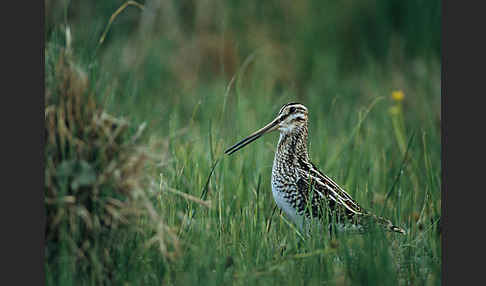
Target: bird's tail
{"x": 387, "y": 224}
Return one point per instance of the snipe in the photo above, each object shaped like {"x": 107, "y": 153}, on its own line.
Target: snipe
{"x": 298, "y": 187}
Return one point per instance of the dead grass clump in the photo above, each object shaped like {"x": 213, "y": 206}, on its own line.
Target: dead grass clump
{"x": 94, "y": 181}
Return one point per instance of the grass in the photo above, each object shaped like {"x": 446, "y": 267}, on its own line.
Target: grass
{"x": 264, "y": 249}
{"x": 383, "y": 149}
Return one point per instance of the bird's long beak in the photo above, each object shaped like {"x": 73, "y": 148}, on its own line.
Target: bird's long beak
{"x": 268, "y": 128}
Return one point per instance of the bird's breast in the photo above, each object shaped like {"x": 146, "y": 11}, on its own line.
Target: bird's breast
{"x": 284, "y": 201}
{"x": 285, "y": 192}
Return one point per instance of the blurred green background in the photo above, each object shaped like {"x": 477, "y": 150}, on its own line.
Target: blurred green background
{"x": 163, "y": 56}
{"x": 202, "y": 75}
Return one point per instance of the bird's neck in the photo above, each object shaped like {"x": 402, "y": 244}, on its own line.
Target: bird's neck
{"x": 292, "y": 146}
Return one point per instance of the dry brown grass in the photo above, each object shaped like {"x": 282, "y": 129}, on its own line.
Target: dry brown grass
{"x": 95, "y": 181}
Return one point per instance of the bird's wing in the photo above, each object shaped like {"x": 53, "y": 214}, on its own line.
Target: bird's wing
{"x": 343, "y": 197}
{"x": 327, "y": 190}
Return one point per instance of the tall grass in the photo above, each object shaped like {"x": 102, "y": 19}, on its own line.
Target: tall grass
{"x": 199, "y": 81}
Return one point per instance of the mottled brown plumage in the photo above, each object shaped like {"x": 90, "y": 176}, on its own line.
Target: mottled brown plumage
{"x": 298, "y": 187}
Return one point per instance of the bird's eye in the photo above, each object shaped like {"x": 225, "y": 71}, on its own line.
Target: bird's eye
{"x": 292, "y": 109}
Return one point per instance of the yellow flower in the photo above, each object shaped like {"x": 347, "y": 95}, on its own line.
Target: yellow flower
{"x": 398, "y": 95}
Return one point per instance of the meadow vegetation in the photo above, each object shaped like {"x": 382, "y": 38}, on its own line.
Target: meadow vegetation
{"x": 140, "y": 107}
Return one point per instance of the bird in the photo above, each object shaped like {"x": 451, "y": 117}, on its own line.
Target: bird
{"x": 299, "y": 188}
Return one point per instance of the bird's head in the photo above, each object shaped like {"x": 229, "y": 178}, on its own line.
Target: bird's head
{"x": 290, "y": 119}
